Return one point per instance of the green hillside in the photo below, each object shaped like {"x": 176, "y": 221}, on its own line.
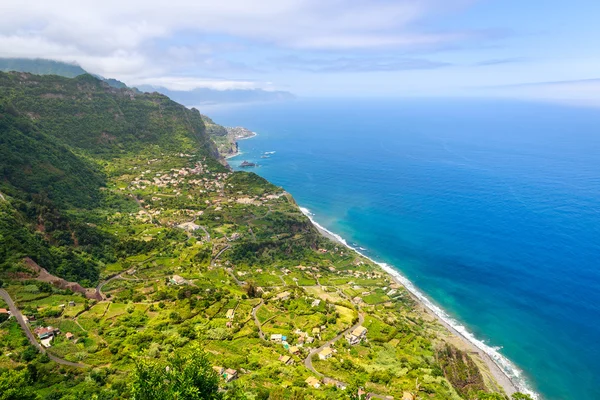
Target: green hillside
{"x": 171, "y": 277}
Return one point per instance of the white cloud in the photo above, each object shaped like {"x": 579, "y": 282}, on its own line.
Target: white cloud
{"x": 115, "y": 37}
{"x": 187, "y": 83}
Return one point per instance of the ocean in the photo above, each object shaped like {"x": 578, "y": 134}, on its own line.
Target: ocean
{"x": 490, "y": 208}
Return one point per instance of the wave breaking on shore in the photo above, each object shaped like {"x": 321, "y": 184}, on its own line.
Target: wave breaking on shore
{"x": 511, "y": 371}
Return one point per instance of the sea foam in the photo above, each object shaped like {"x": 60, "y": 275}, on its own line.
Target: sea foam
{"x": 514, "y": 374}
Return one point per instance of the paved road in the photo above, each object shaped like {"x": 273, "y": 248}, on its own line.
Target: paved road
{"x": 17, "y": 314}
{"x": 257, "y": 322}
{"x": 219, "y": 254}
{"x": 206, "y": 232}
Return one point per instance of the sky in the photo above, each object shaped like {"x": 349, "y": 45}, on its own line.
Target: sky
{"x": 542, "y": 49}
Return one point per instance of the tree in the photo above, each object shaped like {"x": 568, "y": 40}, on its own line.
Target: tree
{"x": 186, "y": 376}
{"x": 14, "y": 385}
{"x": 252, "y": 290}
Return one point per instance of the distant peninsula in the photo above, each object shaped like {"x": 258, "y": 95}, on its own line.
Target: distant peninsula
{"x": 226, "y": 138}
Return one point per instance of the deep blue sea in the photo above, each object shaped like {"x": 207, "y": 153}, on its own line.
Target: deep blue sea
{"x": 491, "y": 208}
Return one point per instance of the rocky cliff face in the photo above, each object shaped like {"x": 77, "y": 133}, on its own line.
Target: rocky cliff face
{"x": 226, "y": 137}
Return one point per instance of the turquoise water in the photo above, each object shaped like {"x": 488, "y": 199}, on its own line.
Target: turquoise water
{"x": 491, "y": 208}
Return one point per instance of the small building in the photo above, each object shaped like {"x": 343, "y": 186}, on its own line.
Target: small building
{"x": 276, "y": 337}
{"x": 360, "y": 332}
{"x": 230, "y": 374}
{"x": 218, "y": 370}
{"x": 283, "y": 296}
{"x": 177, "y": 280}
{"x": 69, "y": 335}
{"x": 287, "y": 360}
{"x": 357, "y": 335}
{"x": 316, "y": 331}
{"x": 316, "y": 303}
{"x": 408, "y": 396}
{"x": 326, "y": 353}
{"x": 312, "y": 381}
{"x": 230, "y": 313}
{"x": 4, "y": 311}
{"x": 71, "y": 303}
{"x": 294, "y": 350}
{"x": 333, "y": 382}
{"x": 44, "y": 333}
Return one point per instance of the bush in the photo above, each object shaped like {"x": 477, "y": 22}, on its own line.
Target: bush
{"x": 187, "y": 376}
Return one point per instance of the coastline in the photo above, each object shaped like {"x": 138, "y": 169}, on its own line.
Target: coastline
{"x": 254, "y": 134}
{"x": 239, "y": 153}
{"x": 492, "y": 359}
{"x": 497, "y": 364}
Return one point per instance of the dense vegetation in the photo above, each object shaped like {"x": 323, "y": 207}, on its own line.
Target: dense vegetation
{"x": 195, "y": 267}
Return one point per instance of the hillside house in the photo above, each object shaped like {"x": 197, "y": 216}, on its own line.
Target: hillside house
{"x": 294, "y": 350}
{"x": 69, "y": 335}
{"x": 287, "y": 360}
{"x": 312, "y": 381}
{"x": 177, "y": 280}
{"x": 45, "y": 333}
{"x": 357, "y": 335}
{"x": 230, "y": 374}
{"x": 283, "y": 296}
{"x": 326, "y": 353}
{"x": 333, "y": 382}
{"x": 277, "y": 337}
{"x": 218, "y": 370}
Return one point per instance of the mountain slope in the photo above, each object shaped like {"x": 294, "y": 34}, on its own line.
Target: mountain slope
{"x": 40, "y": 67}
{"x": 56, "y": 137}
{"x": 88, "y": 114}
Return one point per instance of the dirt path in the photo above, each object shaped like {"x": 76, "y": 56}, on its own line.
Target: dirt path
{"x": 19, "y": 317}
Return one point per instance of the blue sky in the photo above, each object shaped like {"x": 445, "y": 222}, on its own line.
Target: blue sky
{"x": 528, "y": 49}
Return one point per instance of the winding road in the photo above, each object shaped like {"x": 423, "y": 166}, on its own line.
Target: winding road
{"x": 256, "y": 321}
{"x": 219, "y": 254}
{"x": 17, "y": 314}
